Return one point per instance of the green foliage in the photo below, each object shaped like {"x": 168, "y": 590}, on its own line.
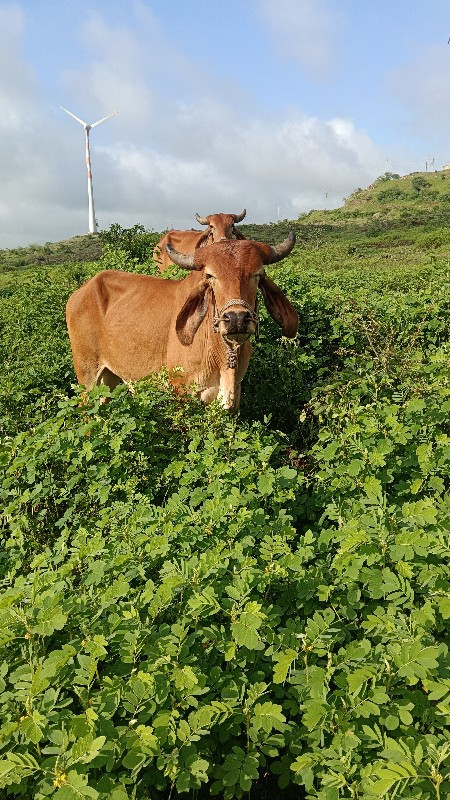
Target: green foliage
{"x": 197, "y": 605}
{"x": 393, "y": 193}
{"x": 387, "y": 176}
{"x": 136, "y": 241}
{"x": 420, "y": 184}
{"x": 440, "y": 237}
{"x": 78, "y": 248}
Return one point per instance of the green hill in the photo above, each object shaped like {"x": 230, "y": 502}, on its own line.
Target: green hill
{"x": 421, "y": 198}
{"x": 395, "y": 217}
{"x": 390, "y": 204}
{"x": 394, "y": 223}
{"x": 86, "y": 247}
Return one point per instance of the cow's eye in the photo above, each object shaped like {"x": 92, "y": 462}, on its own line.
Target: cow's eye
{"x": 257, "y": 277}
{"x": 208, "y": 276}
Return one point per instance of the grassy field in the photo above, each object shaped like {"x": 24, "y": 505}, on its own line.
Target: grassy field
{"x": 197, "y": 605}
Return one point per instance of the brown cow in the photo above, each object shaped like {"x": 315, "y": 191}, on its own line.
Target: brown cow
{"x": 123, "y": 326}
{"x": 220, "y": 226}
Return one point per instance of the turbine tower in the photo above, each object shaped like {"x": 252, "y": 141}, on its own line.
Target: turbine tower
{"x": 87, "y": 128}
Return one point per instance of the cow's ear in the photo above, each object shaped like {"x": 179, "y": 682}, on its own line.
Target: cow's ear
{"x": 192, "y": 313}
{"x": 279, "y": 307}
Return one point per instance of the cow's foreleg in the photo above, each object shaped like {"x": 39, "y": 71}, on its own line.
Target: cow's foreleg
{"x": 229, "y": 389}
{"x": 230, "y": 379}
{"x": 209, "y": 394}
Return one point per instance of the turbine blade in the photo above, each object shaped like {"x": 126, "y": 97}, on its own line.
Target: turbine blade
{"x": 104, "y": 119}
{"x": 73, "y": 115}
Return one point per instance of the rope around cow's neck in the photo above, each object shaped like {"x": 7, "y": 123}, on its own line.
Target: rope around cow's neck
{"x": 231, "y": 345}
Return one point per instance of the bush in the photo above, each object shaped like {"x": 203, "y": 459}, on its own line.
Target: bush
{"x": 35, "y": 360}
{"x": 195, "y": 604}
{"x": 391, "y": 194}
{"x": 420, "y": 184}
{"x": 434, "y": 239}
{"x": 136, "y": 241}
{"x": 235, "y": 614}
{"x": 387, "y": 176}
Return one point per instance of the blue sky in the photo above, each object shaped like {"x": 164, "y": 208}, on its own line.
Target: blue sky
{"x": 278, "y": 106}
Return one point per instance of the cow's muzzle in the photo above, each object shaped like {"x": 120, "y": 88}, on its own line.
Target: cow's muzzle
{"x": 236, "y": 325}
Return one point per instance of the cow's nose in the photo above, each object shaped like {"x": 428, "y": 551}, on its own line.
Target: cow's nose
{"x": 237, "y": 321}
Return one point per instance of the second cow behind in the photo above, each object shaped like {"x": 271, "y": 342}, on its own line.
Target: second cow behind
{"x": 220, "y": 226}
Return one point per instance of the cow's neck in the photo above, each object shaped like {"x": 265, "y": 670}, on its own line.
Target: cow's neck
{"x": 217, "y": 378}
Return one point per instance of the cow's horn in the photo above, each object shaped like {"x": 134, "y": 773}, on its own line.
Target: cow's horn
{"x": 283, "y": 249}
{"x": 185, "y": 260}
{"x": 201, "y": 220}
{"x": 240, "y": 217}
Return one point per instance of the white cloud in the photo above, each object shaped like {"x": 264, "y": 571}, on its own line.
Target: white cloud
{"x": 257, "y": 164}
{"x": 303, "y": 30}
{"x": 168, "y": 153}
{"x": 422, "y": 88}
{"x": 25, "y": 141}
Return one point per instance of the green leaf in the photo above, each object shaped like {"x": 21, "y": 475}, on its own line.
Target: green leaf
{"x": 415, "y": 661}
{"x": 16, "y": 767}
{"x": 354, "y": 467}
{"x": 314, "y": 714}
{"x": 416, "y": 485}
{"x": 87, "y": 748}
{"x": 444, "y": 606}
{"x": 359, "y": 678}
{"x": 388, "y": 776}
{"x": 373, "y": 490}
{"x": 134, "y": 760}
{"x": 75, "y": 788}
{"x": 31, "y": 726}
{"x": 185, "y": 678}
{"x": 284, "y": 661}
{"x": 244, "y": 631}
{"x": 265, "y": 484}
{"x": 49, "y": 621}
{"x": 267, "y": 716}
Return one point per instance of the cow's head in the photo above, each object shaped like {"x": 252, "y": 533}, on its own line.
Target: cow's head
{"x": 232, "y": 272}
{"x": 221, "y": 226}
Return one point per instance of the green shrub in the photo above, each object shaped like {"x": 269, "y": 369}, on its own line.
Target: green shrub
{"x": 203, "y": 605}
{"x": 420, "y": 184}
{"x": 387, "y": 176}
{"x": 136, "y": 241}
{"x": 234, "y": 614}
{"x": 391, "y": 194}
{"x": 434, "y": 239}
{"x": 35, "y": 359}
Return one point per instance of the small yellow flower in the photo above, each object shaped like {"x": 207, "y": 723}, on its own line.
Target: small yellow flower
{"x": 22, "y": 719}
{"x": 84, "y": 643}
{"x": 28, "y": 635}
{"x": 60, "y": 780}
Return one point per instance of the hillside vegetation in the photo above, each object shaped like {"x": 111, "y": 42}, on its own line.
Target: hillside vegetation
{"x": 78, "y": 248}
{"x": 196, "y": 605}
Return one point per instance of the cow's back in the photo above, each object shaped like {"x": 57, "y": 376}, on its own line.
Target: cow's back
{"x": 184, "y": 241}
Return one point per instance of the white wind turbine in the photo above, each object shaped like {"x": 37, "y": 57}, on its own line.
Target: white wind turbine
{"x": 87, "y": 128}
